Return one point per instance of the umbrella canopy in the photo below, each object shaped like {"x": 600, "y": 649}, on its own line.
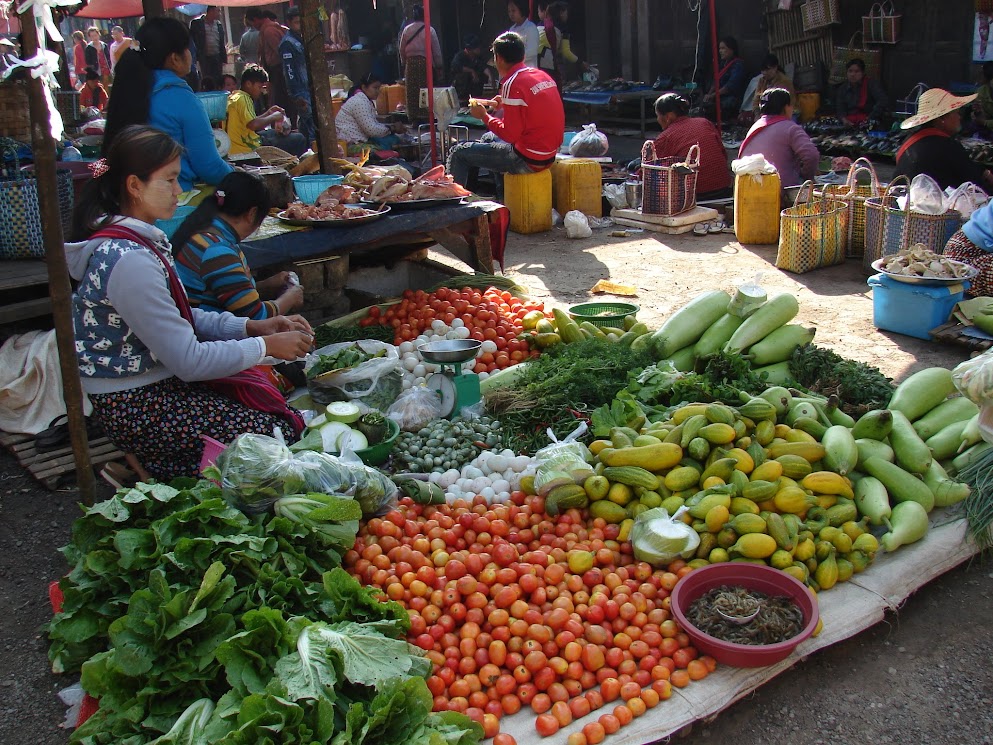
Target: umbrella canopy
{"x": 133, "y": 8}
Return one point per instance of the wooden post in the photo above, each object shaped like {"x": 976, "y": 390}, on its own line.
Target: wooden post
{"x": 428, "y": 53}
{"x": 715, "y": 58}
{"x": 43, "y": 147}
{"x": 320, "y": 86}
{"x": 153, "y": 8}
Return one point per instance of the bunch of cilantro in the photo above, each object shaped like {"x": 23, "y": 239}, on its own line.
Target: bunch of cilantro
{"x": 193, "y": 623}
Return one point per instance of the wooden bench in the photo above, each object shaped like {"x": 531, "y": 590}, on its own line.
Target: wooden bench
{"x": 24, "y": 288}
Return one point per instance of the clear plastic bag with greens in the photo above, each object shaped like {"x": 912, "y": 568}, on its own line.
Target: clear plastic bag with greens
{"x": 657, "y": 538}
{"x": 562, "y": 462}
{"x": 255, "y": 470}
{"x": 375, "y": 382}
{"x": 373, "y": 490}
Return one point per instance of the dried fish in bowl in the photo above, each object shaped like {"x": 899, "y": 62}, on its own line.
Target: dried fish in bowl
{"x": 919, "y": 261}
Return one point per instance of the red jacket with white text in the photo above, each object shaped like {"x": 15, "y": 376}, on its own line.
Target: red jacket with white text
{"x": 533, "y": 118}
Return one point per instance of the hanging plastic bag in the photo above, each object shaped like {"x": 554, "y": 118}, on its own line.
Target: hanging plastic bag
{"x": 589, "y": 143}
{"x": 376, "y": 383}
{"x": 576, "y": 225}
{"x": 415, "y": 407}
{"x": 926, "y": 196}
{"x": 748, "y": 298}
{"x": 966, "y": 199}
{"x": 755, "y": 166}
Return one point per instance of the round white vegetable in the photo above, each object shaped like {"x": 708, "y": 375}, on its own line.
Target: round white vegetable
{"x": 488, "y": 346}
{"x": 419, "y": 371}
{"x": 343, "y": 411}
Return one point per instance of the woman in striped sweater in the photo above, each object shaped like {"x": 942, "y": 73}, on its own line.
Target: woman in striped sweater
{"x": 211, "y": 265}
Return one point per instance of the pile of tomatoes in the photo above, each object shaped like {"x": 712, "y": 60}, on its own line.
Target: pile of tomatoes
{"x": 492, "y": 315}
{"x": 516, "y": 609}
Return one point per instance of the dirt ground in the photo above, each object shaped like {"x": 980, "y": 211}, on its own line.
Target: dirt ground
{"x": 922, "y": 676}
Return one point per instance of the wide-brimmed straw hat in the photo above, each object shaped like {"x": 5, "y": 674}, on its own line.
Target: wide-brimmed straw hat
{"x": 7, "y": 42}
{"x": 933, "y": 104}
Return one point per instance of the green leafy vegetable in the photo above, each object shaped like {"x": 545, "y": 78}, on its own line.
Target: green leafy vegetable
{"x": 343, "y": 359}
{"x": 860, "y": 387}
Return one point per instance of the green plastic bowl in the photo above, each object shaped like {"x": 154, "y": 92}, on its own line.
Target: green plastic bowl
{"x": 603, "y": 314}
{"x": 378, "y": 453}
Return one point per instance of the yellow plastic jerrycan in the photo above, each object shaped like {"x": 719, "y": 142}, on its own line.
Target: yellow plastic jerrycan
{"x": 756, "y": 208}
{"x": 577, "y": 184}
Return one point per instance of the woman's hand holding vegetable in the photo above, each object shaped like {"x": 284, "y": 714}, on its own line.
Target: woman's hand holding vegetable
{"x": 278, "y": 325}
{"x": 288, "y": 345}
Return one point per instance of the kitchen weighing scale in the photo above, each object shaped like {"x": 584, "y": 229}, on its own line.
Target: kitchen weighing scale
{"x": 456, "y": 389}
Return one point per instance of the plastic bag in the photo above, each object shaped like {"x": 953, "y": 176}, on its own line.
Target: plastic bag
{"x": 372, "y": 489}
{"x": 589, "y": 143}
{"x": 414, "y": 408}
{"x": 556, "y": 217}
{"x": 966, "y": 199}
{"x": 926, "y": 196}
{"x": 375, "y": 383}
{"x": 657, "y": 538}
{"x": 974, "y": 378}
{"x": 576, "y": 225}
{"x": 562, "y": 462}
{"x": 72, "y": 697}
{"x": 755, "y": 166}
{"x": 748, "y": 298}
{"x": 255, "y": 470}
{"x": 616, "y": 194}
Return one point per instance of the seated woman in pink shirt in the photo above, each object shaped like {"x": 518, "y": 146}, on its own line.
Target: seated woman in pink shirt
{"x": 781, "y": 140}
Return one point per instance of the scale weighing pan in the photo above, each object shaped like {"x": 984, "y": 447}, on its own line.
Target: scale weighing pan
{"x": 455, "y": 388}
{"x": 449, "y": 352}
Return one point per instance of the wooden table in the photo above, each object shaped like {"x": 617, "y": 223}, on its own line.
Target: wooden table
{"x": 589, "y": 99}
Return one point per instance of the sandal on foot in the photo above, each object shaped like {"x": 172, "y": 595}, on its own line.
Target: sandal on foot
{"x": 118, "y": 475}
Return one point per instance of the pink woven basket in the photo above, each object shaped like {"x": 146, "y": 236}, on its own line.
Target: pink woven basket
{"x": 211, "y": 449}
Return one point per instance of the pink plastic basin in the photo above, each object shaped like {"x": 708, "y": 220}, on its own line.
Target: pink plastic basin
{"x": 752, "y": 577}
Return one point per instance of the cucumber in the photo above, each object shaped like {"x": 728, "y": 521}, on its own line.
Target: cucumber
{"x": 688, "y": 324}
{"x": 778, "y": 346}
{"x": 777, "y": 312}
{"x": 715, "y": 337}
{"x": 902, "y": 486}
{"x": 912, "y": 454}
{"x": 947, "y": 412}
{"x": 343, "y": 411}
{"x": 921, "y": 392}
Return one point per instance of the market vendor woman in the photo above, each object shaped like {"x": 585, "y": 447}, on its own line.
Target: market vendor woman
{"x": 973, "y": 244}
{"x": 859, "y": 98}
{"x": 158, "y": 373}
{"x": 933, "y": 149}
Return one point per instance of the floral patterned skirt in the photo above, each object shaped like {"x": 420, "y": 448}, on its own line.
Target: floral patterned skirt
{"x": 161, "y": 424}
{"x": 960, "y": 248}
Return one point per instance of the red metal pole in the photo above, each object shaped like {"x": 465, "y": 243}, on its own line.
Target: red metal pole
{"x": 430, "y": 63}
{"x": 716, "y": 62}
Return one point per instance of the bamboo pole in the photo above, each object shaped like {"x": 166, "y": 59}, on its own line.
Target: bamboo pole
{"x": 428, "y": 54}
{"x": 43, "y": 147}
{"x": 320, "y": 85}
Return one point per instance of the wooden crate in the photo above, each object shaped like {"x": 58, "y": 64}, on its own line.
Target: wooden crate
{"x": 55, "y": 467}
{"x": 951, "y": 333}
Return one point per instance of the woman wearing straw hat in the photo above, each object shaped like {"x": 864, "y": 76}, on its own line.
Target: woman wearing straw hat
{"x": 933, "y": 149}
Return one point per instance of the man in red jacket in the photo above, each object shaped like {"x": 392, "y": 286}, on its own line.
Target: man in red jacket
{"x": 526, "y": 139}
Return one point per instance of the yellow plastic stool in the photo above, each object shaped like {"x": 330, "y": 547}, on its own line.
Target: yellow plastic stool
{"x": 577, "y": 184}
{"x": 528, "y": 196}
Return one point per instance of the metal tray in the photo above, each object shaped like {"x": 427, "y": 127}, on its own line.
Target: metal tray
{"x": 421, "y": 204}
{"x": 973, "y": 272}
{"x": 344, "y": 223}
{"x": 452, "y": 350}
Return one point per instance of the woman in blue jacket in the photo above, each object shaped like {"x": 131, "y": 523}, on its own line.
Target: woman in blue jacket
{"x": 150, "y": 88}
